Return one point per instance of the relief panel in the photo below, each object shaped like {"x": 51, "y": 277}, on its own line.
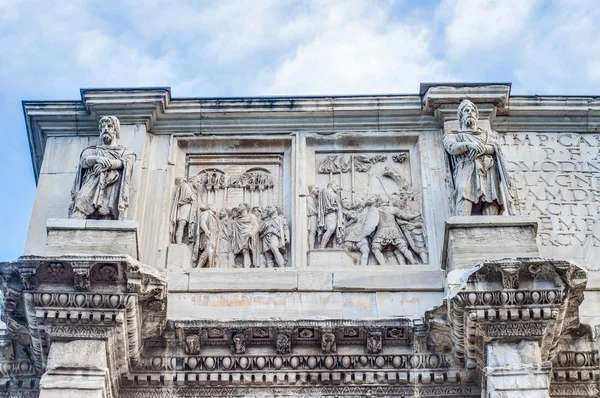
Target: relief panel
{"x": 365, "y": 201}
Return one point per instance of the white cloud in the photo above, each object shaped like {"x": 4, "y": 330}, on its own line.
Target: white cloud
{"x": 356, "y": 48}
{"x": 485, "y": 24}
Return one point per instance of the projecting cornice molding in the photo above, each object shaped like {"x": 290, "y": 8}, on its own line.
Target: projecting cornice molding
{"x": 161, "y": 114}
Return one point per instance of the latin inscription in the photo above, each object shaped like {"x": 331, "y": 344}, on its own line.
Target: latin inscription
{"x": 557, "y": 179}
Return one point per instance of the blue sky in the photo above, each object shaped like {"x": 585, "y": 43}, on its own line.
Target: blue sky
{"x": 51, "y": 49}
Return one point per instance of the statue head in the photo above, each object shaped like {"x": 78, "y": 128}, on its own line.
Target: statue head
{"x": 110, "y": 130}
{"x": 346, "y": 204}
{"x": 222, "y": 213}
{"x": 313, "y": 190}
{"x": 244, "y": 208}
{"x": 360, "y": 203}
{"x": 334, "y": 186}
{"x": 279, "y": 210}
{"x": 269, "y": 212}
{"x": 468, "y": 115}
{"x": 257, "y": 211}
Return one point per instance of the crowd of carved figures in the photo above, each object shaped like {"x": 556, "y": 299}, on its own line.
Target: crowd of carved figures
{"x": 244, "y": 236}
{"x": 371, "y": 224}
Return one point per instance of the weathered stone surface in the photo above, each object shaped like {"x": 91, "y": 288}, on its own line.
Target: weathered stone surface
{"x": 88, "y": 354}
{"x": 391, "y": 306}
{"x": 76, "y": 369}
{"x": 178, "y": 256}
{"x": 471, "y": 240}
{"x": 330, "y": 259}
{"x": 516, "y": 370}
{"x": 67, "y": 237}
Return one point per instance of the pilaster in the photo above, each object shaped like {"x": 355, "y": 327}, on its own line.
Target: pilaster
{"x": 516, "y": 370}
{"x": 76, "y": 369}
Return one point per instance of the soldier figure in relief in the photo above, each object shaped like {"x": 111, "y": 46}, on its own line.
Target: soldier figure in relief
{"x": 101, "y": 188}
{"x": 477, "y": 166}
{"x": 388, "y": 233}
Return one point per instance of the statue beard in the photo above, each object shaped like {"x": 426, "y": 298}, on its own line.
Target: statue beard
{"x": 469, "y": 122}
{"x": 107, "y": 138}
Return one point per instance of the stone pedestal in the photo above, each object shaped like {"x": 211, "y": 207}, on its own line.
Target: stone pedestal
{"x": 112, "y": 237}
{"x": 470, "y": 240}
{"x": 515, "y": 370}
{"x": 330, "y": 258}
{"x": 179, "y": 256}
{"x": 76, "y": 369}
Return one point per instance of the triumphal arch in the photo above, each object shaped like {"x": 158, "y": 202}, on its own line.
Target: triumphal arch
{"x": 441, "y": 244}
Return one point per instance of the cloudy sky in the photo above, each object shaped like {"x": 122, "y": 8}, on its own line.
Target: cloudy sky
{"x": 51, "y": 49}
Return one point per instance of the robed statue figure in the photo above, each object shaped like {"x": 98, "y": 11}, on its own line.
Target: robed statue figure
{"x": 101, "y": 189}
{"x": 480, "y": 180}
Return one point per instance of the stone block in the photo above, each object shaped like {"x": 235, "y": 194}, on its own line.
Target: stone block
{"x": 84, "y": 354}
{"x": 359, "y": 306}
{"x": 470, "y": 240}
{"x": 178, "y": 256}
{"x": 66, "y": 237}
{"x": 178, "y": 280}
{"x": 399, "y": 304}
{"x": 390, "y": 278}
{"x": 238, "y": 279}
{"x": 315, "y": 280}
{"x": 75, "y": 369}
{"x": 254, "y": 306}
{"x": 330, "y": 259}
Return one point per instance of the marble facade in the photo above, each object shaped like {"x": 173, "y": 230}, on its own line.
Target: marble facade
{"x": 309, "y": 246}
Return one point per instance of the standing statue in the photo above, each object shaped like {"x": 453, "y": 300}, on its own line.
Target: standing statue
{"x": 101, "y": 188}
{"x": 330, "y": 217}
{"x": 480, "y": 178}
{"x": 183, "y": 210}
{"x": 311, "y": 214}
{"x": 272, "y": 236}
{"x": 245, "y": 235}
{"x": 207, "y": 237}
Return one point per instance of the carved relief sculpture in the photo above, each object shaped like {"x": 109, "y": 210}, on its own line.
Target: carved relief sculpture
{"x": 101, "y": 188}
{"x": 273, "y": 236}
{"x": 245, "y": 240}
{"x": 207, "y": 237}
{"x": 183, "y": 210}
{"x": 330, "y": 219}
{"x": 480, "y": 179}
{"x": 376, "y": 215}
{"x": 311, "y": 213}
{"x": 225, "y": 257}
{"x": 328, "y": 344}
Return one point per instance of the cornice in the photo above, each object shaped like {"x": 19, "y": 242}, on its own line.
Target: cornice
{"x": 161, "y": 114}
